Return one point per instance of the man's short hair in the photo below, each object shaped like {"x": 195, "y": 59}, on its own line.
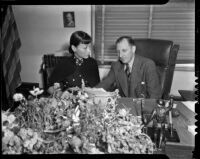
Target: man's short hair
{"x": 128, "y": 38}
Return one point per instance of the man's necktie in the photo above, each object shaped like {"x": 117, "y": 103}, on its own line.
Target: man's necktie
{"x": 128, "y": 73}
{"x": 127, "y": 70}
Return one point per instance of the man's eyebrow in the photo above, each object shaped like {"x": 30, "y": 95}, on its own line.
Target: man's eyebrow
{"x": 84, "y": 46}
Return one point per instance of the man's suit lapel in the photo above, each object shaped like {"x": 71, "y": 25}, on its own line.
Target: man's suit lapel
{"x": 123, "y": 80}
{"x": 134, "y": 76}
{"x": 134, "y": 73}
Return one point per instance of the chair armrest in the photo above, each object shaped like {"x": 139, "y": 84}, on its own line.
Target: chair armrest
{"x": 173, "y": 54}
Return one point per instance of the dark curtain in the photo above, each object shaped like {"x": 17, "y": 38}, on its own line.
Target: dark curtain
{"x": 10, "y": 61}
{"x": 4, "y": 100}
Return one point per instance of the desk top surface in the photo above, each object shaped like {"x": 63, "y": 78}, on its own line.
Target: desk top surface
{"x": 186, "y": 117}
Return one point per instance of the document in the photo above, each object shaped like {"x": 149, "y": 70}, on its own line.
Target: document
{"x": 190, "y": 105}
{"x": 191, "y": 128}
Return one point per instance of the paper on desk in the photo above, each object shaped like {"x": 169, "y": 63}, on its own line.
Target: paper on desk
{"x": 191, "y": 128}
{"x": 190, "y": 105}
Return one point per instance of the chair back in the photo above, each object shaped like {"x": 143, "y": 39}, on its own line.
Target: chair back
{"x": 48, "y": 64}
{"x": 164, "y": 54}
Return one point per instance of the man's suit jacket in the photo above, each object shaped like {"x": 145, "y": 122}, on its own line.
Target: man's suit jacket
{"x": 143, "y": 69}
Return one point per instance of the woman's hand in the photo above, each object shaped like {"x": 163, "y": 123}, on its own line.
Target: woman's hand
{"x": 55, "y": 89}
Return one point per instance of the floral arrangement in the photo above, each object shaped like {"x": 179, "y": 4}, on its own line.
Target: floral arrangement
{"x": 71, "y": 122}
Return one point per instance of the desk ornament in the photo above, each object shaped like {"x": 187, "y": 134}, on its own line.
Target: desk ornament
{"x": 142, "y": 95}
{"x": 158, "y": 132}
{"x": 171, "y": 134}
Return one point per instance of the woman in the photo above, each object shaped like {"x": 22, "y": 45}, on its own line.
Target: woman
{"x": 77, "y": 68}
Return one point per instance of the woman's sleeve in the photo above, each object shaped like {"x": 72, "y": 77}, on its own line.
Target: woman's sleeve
{"x": 108, "y": 81}
{"x": 95, "y": 75}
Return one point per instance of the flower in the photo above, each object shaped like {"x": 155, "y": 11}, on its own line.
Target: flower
{"x": 10, "y": 118}
{"x": 75, "y": 116}
{"x": 18, "y": 97}
{"x": 36, "y": 91}
{"x": 65, "y": 95}
{"x": 7, "y": 136}
{"x": 8, "y": 121}
{"x": 122, "y": 112}
{"x": 82, "y": 83}
{"x": 56, "y": 85}
{"x": 77, "y": 120}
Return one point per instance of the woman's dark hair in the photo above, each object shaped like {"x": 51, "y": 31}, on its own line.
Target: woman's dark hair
{"x": 128, "y": 38}
{"x": 79, "y": 37}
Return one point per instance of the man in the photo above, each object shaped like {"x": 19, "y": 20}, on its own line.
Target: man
{"x": 132, "y": 72}
{"x": 70, "y": 20}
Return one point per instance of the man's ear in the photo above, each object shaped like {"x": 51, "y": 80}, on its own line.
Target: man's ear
{"x": 134, "y": 48}
{"x": 73, "y": 48}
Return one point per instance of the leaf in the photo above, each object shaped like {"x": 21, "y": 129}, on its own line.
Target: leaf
{"x": 5, "y": 139}
{"x": 26, "y": 143}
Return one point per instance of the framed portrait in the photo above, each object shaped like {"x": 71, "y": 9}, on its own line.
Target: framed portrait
{"x": 68, "y": 19}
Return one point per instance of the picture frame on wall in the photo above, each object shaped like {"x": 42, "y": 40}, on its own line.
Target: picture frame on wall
{"x": 69, "y": 19}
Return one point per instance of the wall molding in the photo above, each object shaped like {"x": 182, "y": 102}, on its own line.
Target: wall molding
{"x": 104, "y": 66}
{"x": 178, "y": 67}
{"x": 185, "y": 67}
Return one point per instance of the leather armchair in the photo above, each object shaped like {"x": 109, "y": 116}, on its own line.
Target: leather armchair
{"x": 164, "y": 54}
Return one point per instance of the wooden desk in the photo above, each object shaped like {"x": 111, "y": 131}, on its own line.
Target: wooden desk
{"x": 187, "y": 95}
{"x": 187, "y": 140}
{"x": 173, "y": 150}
